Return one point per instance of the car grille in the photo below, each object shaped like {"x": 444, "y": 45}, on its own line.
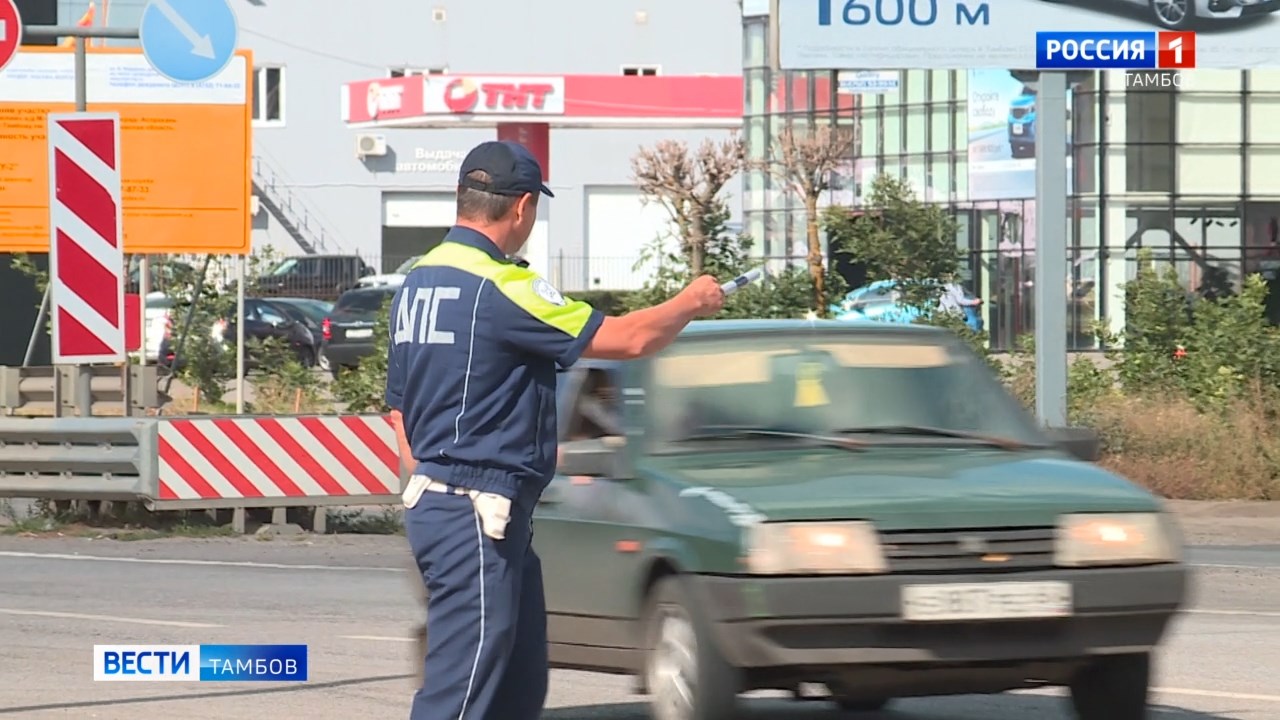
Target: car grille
{"x": 1018, "y": 112}
{"x": 969, "y": 551}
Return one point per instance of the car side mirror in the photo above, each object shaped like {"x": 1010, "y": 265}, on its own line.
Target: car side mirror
{"x": 1082, "y": 442}
{"x": 600, "y": 457}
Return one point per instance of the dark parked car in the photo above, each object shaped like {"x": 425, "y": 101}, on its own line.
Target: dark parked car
{"x": 323, "y": 277}
{"x": 348, "y": 332}
{"x": 264, "y": 319}
{"x": 309, "y": 312}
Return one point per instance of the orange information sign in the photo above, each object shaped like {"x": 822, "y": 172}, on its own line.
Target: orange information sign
{"x": 185, "y": 150}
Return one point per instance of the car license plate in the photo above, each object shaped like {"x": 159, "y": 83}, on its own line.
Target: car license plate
{"x": 360, "y": 333}
{"x": 1017, "y": 129}
{"x": 986, "y": 601}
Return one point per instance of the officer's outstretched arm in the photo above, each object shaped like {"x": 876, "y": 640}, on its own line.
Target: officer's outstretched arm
{"x": 645, "y": 332}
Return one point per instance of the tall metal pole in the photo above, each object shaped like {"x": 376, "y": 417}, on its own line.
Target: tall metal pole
{"x": 144, "y": 289}
{"x": 240, "y": 273}
{"x": 1051, "y": 250}
{"x": 84, "y": 373}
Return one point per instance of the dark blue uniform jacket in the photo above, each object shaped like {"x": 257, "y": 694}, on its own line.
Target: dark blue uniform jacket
{"x": 475, "y": 339}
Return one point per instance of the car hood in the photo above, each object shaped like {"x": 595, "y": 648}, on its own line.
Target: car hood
{"x": 910, "y": 488}
{"x": 376, "y": 280}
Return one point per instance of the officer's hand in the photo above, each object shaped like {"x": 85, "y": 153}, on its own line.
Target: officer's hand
{"x": 705, "y": 296}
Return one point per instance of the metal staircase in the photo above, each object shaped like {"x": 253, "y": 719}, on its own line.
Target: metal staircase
{"x": 302, "y": 224}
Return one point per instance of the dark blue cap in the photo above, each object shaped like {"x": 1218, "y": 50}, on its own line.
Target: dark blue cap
{"x": 512, "y": 169}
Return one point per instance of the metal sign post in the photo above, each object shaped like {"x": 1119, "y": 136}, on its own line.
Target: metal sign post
{"x": 84, "y": 403}
{"x": 1051, "y": 250}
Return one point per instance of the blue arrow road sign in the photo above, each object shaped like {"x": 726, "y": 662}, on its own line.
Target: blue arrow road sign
{"x": 188, "y": 41}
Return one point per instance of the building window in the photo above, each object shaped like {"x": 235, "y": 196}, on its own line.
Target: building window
{"x": 268, "y": 96}
{"x": 641, "y": 70}
{"x": 1149, "y": 140}
{"x": 398, "y": 72}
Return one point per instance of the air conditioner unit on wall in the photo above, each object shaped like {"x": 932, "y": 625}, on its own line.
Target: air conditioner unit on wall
{"x": 370, "y": 145}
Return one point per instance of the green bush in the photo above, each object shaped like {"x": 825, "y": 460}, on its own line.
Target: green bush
{"x": 1209, "y": 350}
{"x": 609, "y": 302}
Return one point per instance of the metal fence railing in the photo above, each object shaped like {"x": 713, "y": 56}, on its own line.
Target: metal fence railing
{"x": 58, "y": 391}
{"x": 236, "y": 462}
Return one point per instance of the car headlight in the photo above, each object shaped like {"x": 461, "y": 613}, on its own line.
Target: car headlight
{"x": 1091, "y": 539}
{"x": 810, "y": 548}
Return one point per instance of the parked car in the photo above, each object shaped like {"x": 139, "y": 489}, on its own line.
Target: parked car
{"x": 858, "y": 505}
{"x": 265, "y": 319}
{"x": 310, "y": 312}
{"x": 348, "y": 332}
{"x": 1022, "y": 124}
{"x": 1187, "y": 14}
{"x": 882, "y": 302}
{"x": 167, "y": 277}
{"x": 323, "y": 277}
{"x": 395, "y": 278}
{"x": 159, "y": 323}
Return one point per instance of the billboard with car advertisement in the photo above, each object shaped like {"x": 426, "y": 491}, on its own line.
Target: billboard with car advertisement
{"x": 1002, "y": 136}
{"x": 966, "y": 34}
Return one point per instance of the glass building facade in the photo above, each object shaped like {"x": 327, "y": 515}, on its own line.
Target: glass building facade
{"x": 1191, "y": 172}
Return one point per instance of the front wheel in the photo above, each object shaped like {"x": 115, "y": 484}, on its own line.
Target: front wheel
{"x": 1174, "y": 14}
{"x": 685, "y": 674}
{"x": 1113, "y": 688}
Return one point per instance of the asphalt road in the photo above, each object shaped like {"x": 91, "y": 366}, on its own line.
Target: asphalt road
{"x": 348, "y": 598}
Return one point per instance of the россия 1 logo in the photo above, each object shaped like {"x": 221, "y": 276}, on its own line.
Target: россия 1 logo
{"x": 1115, "y": 50}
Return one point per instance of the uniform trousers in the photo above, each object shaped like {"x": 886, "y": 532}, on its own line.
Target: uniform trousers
{"x": 486, "y": 614}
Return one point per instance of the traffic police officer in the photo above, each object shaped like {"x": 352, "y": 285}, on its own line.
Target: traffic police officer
{"x": 471, "y": 376}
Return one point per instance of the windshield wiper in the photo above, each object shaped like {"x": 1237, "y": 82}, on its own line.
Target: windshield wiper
{"x": 731, "y": 432}
{"x": 927, "y": 431}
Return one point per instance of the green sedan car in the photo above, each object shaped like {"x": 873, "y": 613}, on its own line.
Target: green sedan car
{"x": 859, "y": 508}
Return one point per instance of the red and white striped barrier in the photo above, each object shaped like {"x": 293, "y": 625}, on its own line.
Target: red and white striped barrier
{"x": 324, "y": 460}
{"x": 86, "y": 253}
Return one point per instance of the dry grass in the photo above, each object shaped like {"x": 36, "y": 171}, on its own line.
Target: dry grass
{"x": 1179, "y": 452}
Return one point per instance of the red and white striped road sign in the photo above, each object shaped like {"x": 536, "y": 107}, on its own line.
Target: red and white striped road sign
{"x": 10, "y": 31}
{"x": 242, "y": 458}
{"x": 86, "y": 241}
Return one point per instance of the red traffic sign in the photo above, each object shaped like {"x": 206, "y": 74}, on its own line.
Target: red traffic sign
{"x": 10, "y": 31}
{"x": 86, "y": 255}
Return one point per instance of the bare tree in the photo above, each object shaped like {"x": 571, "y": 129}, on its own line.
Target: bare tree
{"x": 687, "y": 183}
{"x": 804, "y": 161}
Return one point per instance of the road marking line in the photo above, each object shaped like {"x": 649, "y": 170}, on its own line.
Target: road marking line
{"x": 378, "y": 638}
{"x": 1221, "y": 694}
{"x": 106, "y": 618}
{"x": 1246, "y": 613}
{"x": 1220, "y": 566}
{"x": 202, "y": 563}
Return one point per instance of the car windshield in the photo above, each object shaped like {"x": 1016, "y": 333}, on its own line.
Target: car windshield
{"x": 362, "y": 302}
{"x": 285, "y": 267}
{"x": 316, "y": 310}
{"x": 407, "y": 265}
{"x": 869, "y": 387}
